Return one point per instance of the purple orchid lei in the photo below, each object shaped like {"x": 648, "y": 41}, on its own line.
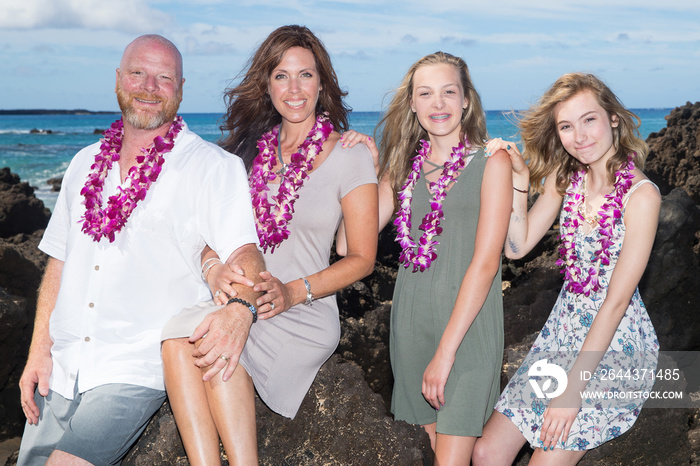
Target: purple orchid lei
{"x": 101, "y": 222}
{"x": 271, "y": 218}
{"x": 586, "y": 281}
{"x": 423, "y": 254}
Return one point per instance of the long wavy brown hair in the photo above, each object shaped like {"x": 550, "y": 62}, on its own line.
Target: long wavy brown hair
{"x": 401, "y": 131}
{"x": 543, "y": 148}
{"x": 249, "y": 109}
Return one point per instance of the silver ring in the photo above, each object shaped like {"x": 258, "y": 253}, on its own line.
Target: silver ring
{"x": 224, "y": 358}
{"x": 218, "y": 292}
{"x": 272, "y": 306}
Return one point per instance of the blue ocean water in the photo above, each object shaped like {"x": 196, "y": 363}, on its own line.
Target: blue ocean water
{"x": 39, "y": 156}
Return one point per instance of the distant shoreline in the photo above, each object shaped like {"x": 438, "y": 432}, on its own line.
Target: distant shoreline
{"x": 90, "y": 112}
{"x": 53, "y": 112}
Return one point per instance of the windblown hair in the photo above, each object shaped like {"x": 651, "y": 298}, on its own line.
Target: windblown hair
{"x": 543, "y": 148}
{"x": 249, "y": 109}
{"x": 401, "y": 131}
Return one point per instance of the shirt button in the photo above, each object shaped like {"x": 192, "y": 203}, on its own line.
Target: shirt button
{"x": 91, "y": 304}
{"x": 97, "y": 267}
{"x": 87, "y": 338}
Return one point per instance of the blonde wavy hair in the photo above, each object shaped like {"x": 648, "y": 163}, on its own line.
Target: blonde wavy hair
{"x": 543, "y": 148}
{"x": 401, "y": 131}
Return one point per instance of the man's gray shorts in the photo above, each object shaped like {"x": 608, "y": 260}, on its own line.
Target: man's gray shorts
{"x": 98, "y": 426}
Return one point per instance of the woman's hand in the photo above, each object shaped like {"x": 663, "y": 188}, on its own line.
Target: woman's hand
{"x": 435, "y": 378}
{"x": 352, "y": 137}
{"x": 516, "y": 158}
{"x": 277, "y": 297}
{"x": 558, "y": 419}
{"x": 221, "y": 276}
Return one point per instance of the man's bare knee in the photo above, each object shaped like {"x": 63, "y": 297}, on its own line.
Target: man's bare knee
{"x": 61, "y": 458}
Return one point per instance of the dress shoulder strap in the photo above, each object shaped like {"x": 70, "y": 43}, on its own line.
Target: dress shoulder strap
{"x": 634, "y": 188}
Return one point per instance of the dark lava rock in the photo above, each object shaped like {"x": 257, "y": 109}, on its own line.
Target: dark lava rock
{"x": 340, "y": 422}
{"x": 14, "y": 344}
{"x": 21, "y": 266}
{"x": 365, "y": 341}
{"x": 55, "y": 183}
{"x": 20, "y": 210}
{"x": 669, "y": 286}
{"x": 674, "y": 157}
{"x": 355, "y": 300}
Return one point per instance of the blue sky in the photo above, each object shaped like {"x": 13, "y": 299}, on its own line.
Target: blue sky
{"x": 63, "y": 53}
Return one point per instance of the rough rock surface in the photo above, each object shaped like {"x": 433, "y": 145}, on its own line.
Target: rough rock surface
{"x": 22, "y": 218}
{"x": 20, "y": 210}
{"x": 340, "y": 422}
{"x": 674, "y": 158}
{"x": 20, "y": 270}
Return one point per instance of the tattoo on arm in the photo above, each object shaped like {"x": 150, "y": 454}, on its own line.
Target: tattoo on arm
{"x": 513, "y": 245}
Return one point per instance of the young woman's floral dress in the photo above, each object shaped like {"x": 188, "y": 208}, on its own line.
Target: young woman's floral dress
{"x": 623, "y": 377}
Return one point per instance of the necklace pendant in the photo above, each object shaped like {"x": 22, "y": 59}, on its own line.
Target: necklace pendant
{"x": 283, "y": 171}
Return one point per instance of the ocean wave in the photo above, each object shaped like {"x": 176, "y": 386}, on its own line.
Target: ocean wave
{"x": 14, "y": 131}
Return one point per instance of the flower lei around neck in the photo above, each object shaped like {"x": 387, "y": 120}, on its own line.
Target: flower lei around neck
{"x": 581, "y": 281}
{"x": 99, "y": 222}
{"x": 423, "y": 254}
{"x": 272, "y": 218}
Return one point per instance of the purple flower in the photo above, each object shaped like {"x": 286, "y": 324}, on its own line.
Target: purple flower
{"x": 430, "y": 225}
{"x": 140, "y": 178}
{"x": 271, "y": 233}
{"x": 611, "y": 209}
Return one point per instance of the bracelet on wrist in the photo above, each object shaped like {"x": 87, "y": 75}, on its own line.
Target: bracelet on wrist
{"x": 211, "y": 259}
{"x": 246, "y": 304}
{"x": 309, "y": 294}
{"x": 524, "y": 191}
{"x": 208, "y": 265}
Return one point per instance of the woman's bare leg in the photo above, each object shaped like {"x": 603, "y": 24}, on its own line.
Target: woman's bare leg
{"x": 430, "y": 429}
{"x": 453, "y": 450}
{"x": 233, "y": 408}
{"x": 188, "y": 400}
{"x": 500, "y": 442}
{"x": 555, "y": 457}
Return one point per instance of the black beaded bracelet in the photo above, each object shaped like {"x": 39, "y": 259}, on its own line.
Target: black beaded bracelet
{"x": 246, "y": 304}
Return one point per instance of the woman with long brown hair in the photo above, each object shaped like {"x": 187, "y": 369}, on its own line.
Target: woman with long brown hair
{"x": 283, "y": 120}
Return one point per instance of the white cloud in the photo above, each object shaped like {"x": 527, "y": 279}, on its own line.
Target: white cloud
{"x": 195, "y": 47}
{"x": 133, "y": 16}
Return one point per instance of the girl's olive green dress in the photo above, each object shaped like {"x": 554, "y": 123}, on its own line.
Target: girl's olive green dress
{"x": 422, "y": 305}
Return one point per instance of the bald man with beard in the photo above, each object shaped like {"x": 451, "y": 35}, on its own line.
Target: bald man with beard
{"x": 124, "y": 244}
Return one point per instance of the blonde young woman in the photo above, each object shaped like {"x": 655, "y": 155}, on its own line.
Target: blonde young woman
{"x": 586, "y": 147}
{"x": 453, "y": 208}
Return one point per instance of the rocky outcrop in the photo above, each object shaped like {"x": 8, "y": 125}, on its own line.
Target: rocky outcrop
{"x": 340, "y": 422}
{"x": 55, "y": 183}
{"x": 22, "y": 219}
{"x": 20, "y": 210}
{"x": 674, "y": 157}
{"x": 21, "y": 267}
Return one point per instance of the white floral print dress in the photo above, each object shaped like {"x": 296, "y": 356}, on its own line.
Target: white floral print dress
{"x": 616, "y": 391}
